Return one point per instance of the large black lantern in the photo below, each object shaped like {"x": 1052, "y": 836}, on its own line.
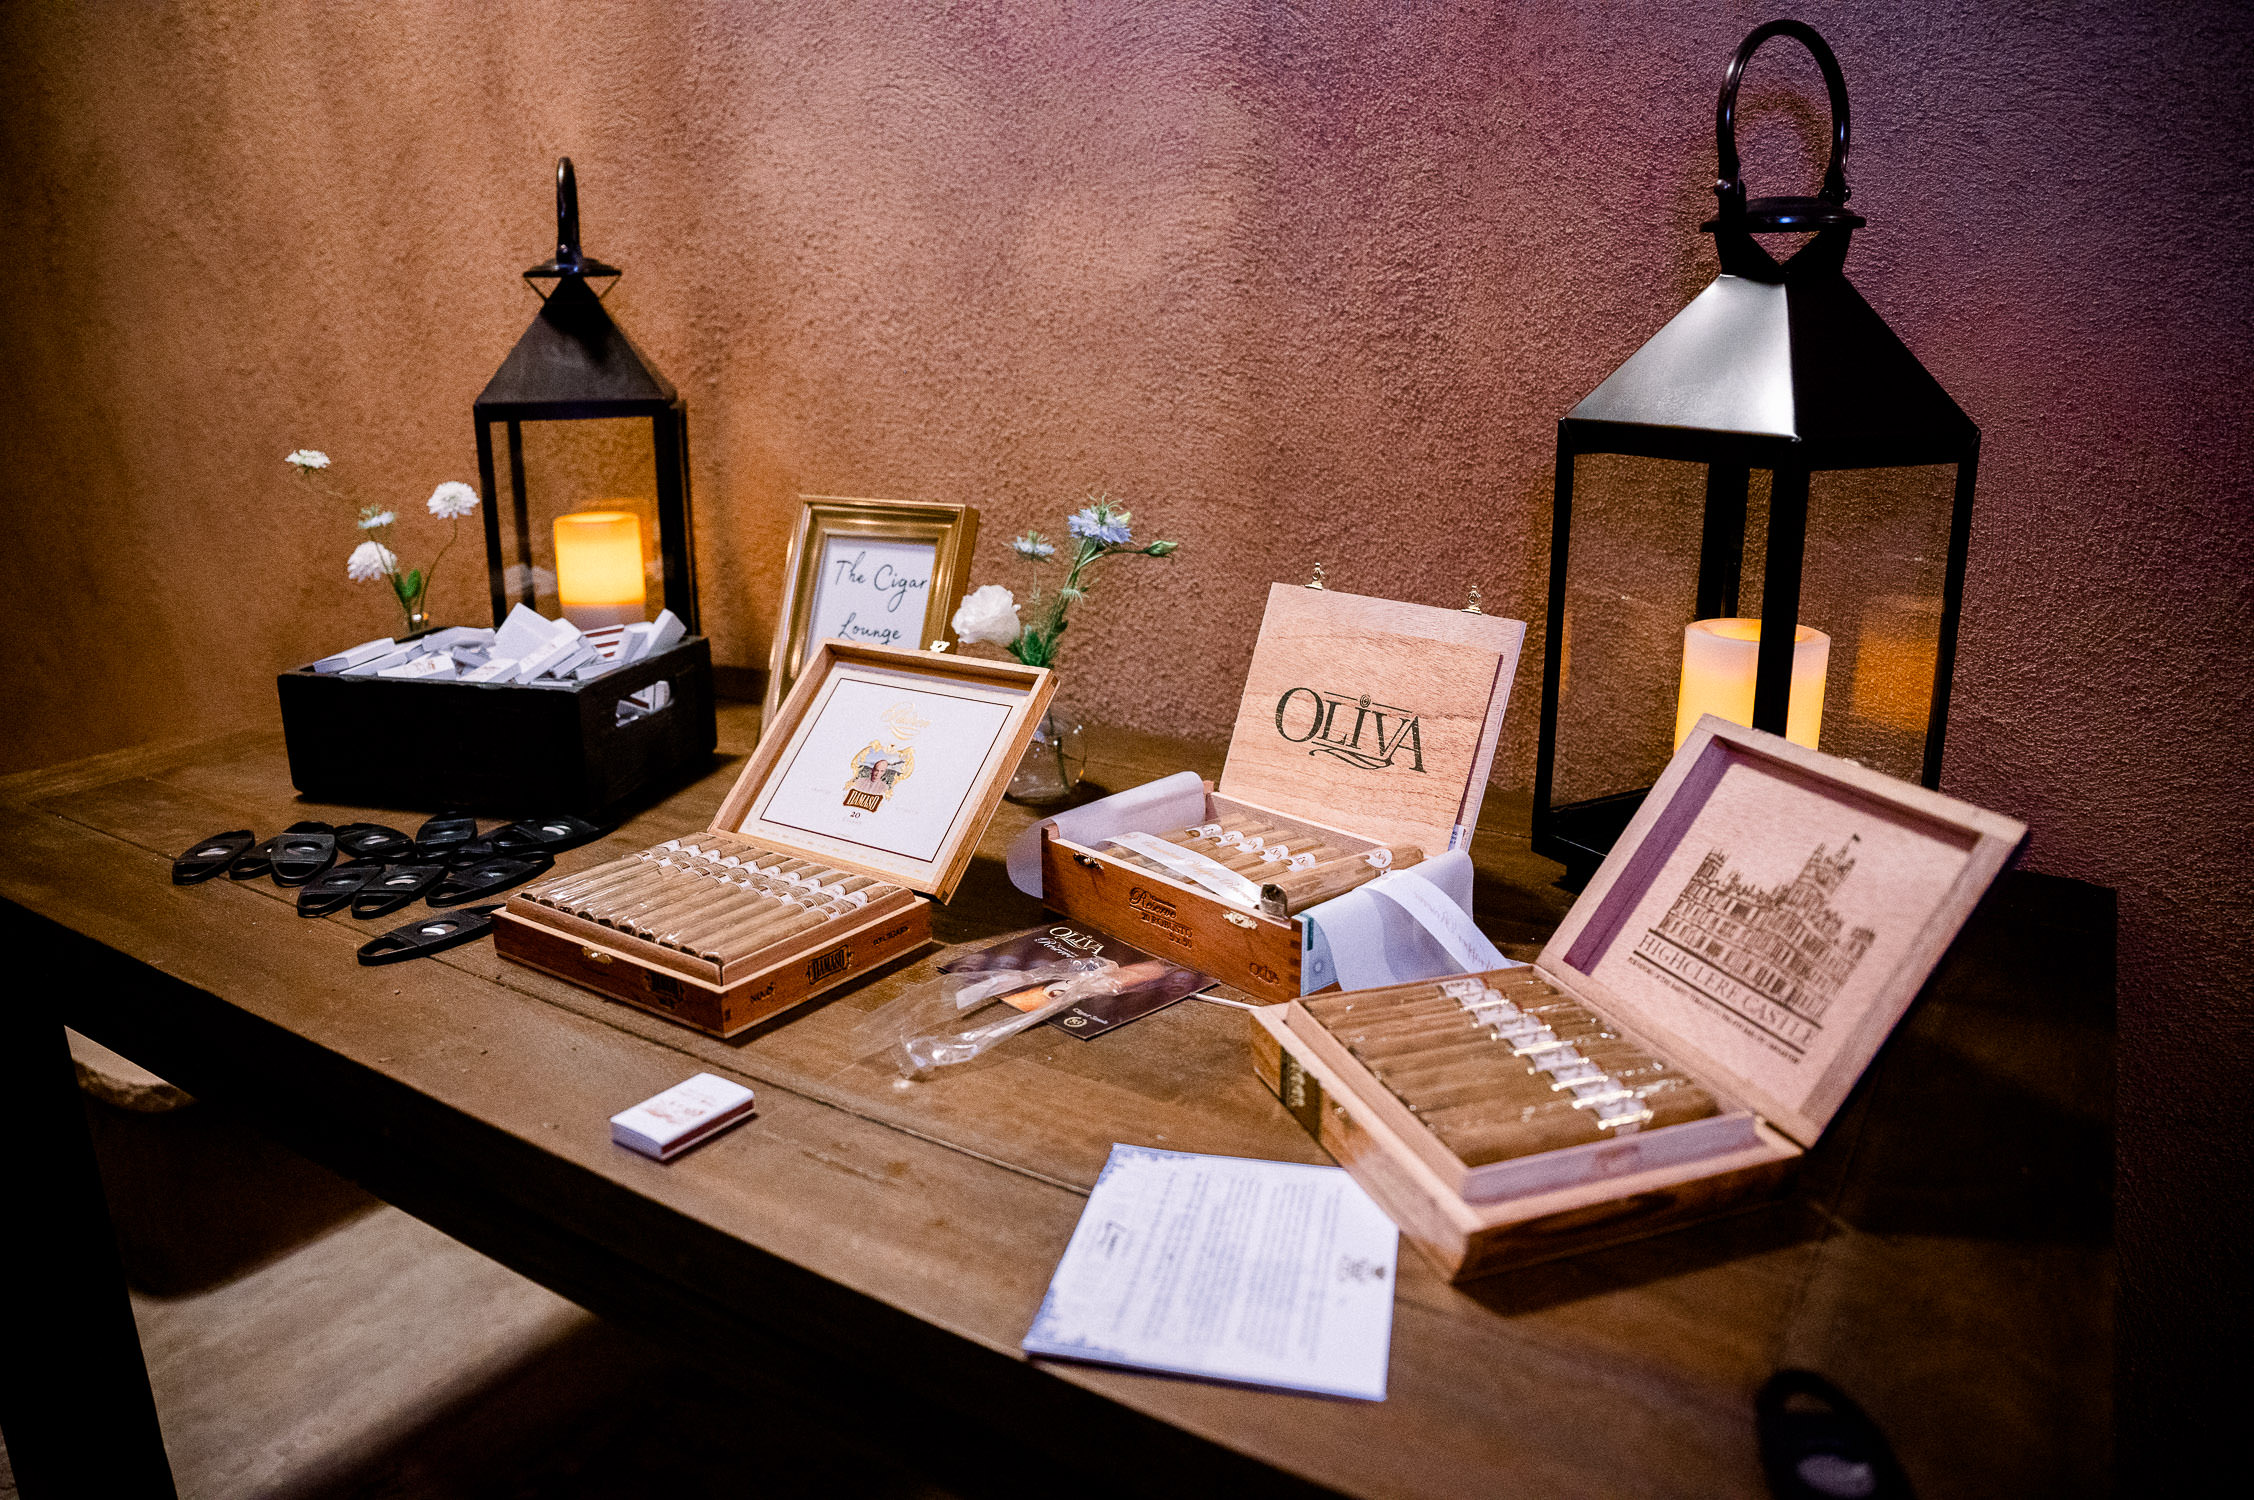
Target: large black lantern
{"x": 609, "y": 514}
{"x": 1777, "y": 375}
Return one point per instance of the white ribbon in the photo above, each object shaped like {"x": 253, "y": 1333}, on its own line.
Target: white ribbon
{"x": 1402, "y": 927}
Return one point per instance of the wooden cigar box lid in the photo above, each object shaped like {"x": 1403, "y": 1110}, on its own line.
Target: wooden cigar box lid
{"x": 1770, "y": 914}
{"x": 1372, "y": 715}
{"x": 887, "y": 762}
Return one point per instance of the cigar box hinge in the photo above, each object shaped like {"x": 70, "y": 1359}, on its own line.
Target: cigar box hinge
{"x": 594, "y": 955}
{"x": 1239, "y": 919}
{"x": 1087, "y": 861}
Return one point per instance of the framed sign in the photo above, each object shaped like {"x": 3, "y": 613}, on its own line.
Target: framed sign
{"x": 871, "y": 573}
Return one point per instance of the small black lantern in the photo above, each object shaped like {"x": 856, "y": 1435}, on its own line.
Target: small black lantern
{"x": 1775, "y": 368}
{"x": 575, "y": 365}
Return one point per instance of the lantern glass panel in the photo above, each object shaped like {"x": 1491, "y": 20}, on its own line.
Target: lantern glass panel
{"x": 1871, "y": 581}
{"x": 1631, "y": 582}
{"x": 595, "y": 467}
{"x": 1872, "y": 578}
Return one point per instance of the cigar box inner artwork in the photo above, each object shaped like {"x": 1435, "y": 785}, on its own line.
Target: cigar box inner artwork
{"x": 869, "y": 790}
{"x": 1699, "y": 1018}
{"x": 1362, "y": 744}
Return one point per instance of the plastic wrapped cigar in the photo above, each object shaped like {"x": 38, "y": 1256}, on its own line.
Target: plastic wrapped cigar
{"x": 1291, "y": 892}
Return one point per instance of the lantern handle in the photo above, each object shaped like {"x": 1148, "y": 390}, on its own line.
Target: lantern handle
{"x": 569, "y": 260}
{"x": 1827, "y": 209}
{"x": 567, "y": 212}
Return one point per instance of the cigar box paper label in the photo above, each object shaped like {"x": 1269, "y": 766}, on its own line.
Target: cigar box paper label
{"x": 887, "y": 766}
{"x": 1778, "y": 920}
{"x": 1262, "y": 1272}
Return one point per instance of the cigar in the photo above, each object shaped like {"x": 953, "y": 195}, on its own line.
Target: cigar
{"x": 715, "y": 931}
{"x": 1208, "y": 832}
{"x": 749, "y": 937}
{"x": 1548, "y": 1129}
{"x": 646, "y": 870}
{"x": 1294, "y": 857}
{"x": 1289, "y": 894}
{"x": 751, "y": 908}
{"x": 686, "y": 907}
{"x": 565, "y": 887}
{"x": 617, "y": 910}
{"x": 1431, "y": 991}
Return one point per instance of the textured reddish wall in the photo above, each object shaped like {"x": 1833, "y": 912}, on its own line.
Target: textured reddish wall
{"x": 1301, "y": 285}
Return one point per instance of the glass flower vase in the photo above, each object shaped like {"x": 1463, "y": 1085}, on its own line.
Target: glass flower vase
{"x": 1053, "y": 762}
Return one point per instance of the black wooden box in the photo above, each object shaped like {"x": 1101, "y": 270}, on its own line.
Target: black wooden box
{"x": 500, "y": 748}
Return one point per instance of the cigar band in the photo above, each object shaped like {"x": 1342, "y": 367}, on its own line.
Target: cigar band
{"x": 1381, "y": 859}
{"x": 1565, "y": 1076}
{"x": 1463, "y": 989}
{"x": 1561, "y": 1057}
{"x": 1202, "y": 831}
{"x": 1600, "y": 1093}
{"x": 1300, "y": 862}
{"x": 854, "y": 898}
{"x": 1624, "y": 1116}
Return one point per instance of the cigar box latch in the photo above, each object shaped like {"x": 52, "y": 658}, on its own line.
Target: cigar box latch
{"x": 1239, "y": 919}
{"x": 1087, "y": 861}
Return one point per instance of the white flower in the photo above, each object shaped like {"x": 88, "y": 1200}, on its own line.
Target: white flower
{"x": 989, "y": 614}
{"x": 369, "y": 562}
{"x": 452, "y": 500}
{"x": 1035, "y": 546}
{"x": 307, "y": 459}
{"x": 370, "y": 520}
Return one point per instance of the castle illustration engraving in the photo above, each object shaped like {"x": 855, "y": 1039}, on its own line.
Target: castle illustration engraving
{"x": 1787, "y": 945}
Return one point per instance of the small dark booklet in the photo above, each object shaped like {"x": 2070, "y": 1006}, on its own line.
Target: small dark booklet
{"x": 1152, "y": 983}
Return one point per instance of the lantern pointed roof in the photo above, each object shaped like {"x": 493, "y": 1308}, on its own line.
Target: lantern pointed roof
{"x": 1793, "y": 367}
{"x": 573, "y": 361}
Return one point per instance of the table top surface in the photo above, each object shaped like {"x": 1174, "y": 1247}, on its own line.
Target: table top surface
{"x": 1946, "y": 1260}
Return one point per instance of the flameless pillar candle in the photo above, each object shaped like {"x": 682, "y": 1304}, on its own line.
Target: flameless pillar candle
{"x": 599, "y": 568}
{"x": 1719, "y": 658}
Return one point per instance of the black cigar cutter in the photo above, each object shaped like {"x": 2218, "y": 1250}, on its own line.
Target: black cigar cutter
{"x": 550, "y": 835}
{"x": 441, "y": 837}
{"x": 259, "y": 859}
{"x": 490, "y": 878}
{"x": 397, "y": 886}
{"x": 209, "y": 856}
{"x": 428, "y": 935}
{"x": 1817, "y": 1444}
{"x": 334, "y": 891}
{"x": 469, "y": 852}
{"x": 373, "y": 841}
{"x": 298, "y": 857}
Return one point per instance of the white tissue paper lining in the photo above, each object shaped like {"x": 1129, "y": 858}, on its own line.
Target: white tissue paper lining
{"x": 1404, "y": 926}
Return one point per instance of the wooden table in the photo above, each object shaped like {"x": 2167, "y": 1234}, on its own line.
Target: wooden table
{"x": 873, "y": 1252}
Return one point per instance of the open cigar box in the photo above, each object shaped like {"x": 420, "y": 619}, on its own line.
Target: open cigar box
{"x": 1686, "y": 1035}
{"x": 1362, "y": 743}
{"x": 868, "y": 793}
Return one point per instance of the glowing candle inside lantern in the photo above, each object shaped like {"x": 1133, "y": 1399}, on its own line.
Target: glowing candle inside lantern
{"x": 1720, "y": 658}
{"x": 599, "y": 568}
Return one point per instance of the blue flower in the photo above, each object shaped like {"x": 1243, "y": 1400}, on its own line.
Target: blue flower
{"x": 1100, "y": 524}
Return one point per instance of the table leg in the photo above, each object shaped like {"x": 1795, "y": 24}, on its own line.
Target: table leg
{"x": 75, "y": 1404}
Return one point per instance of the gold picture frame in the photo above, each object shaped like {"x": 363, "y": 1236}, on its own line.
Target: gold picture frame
{"x": 826, "y": 597}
